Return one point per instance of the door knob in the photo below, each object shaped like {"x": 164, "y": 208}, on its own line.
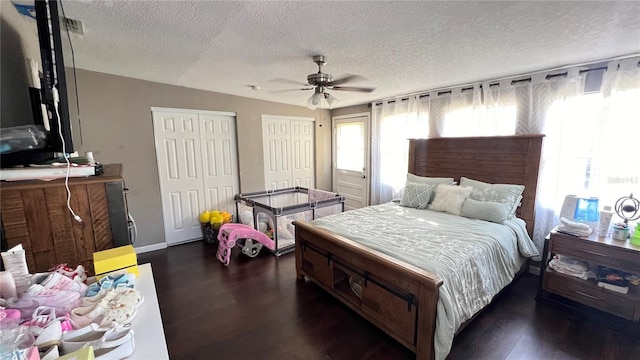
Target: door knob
{"x": 364, "y": 176}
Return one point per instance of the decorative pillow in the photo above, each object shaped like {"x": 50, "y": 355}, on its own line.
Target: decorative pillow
{"x": 485, "y": 210}
{"x": 507, "y": 194}
{"x": 449, "y": 198}
{"x": 417, "y": 195}
{"x": 428, "y": 180}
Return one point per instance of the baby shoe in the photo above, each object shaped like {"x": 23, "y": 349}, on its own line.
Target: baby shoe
{"x": 121, "y": 293}
{"x": 42, "y": 316}
{"x": 37, "y": 295}
{"x": 50, "y": 354}
{"x": 95, "y": 336}
{"x": 116, "y": 346}
{"x": 77, "y": 274}
{"x": 50, "y": 335}
{"x": 119, "y": 306}
{"x": 58, "y": 281}
{"x": 110, "y": 282}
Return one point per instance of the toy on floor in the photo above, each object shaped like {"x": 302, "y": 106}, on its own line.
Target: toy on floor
{"x": 229, "y": 235}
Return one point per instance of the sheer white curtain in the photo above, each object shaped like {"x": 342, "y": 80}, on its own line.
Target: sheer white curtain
{"x": 591, "y": 145}
{"x": 393, "y": 123}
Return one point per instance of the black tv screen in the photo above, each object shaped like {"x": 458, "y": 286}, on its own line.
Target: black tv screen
{"x": 53, "y": 76}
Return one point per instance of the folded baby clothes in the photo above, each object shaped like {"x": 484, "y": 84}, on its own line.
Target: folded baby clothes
{"x": 570, "y": 266}
{"x": 574, "y": 228}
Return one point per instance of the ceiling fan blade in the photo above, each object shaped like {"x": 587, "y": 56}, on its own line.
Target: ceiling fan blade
{"x": 345, "y": 79}
{"x": 289, "y": 90}
{"x": 352, "y": 88}
{"x": 287, "y": 81}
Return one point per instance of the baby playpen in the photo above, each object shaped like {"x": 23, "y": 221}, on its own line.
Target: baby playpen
{"x": 273, "y": 211}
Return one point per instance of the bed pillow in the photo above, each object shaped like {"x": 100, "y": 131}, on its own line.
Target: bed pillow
{"x": 428, "y": 180}
{"x": 449, "y": 198}
{"x": 485, "y": 210}
{"x": 507, "y": 194}
{"x": 417, "y": 195}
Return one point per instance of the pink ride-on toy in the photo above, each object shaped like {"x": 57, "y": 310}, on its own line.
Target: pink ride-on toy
{"x": 230, "y": 233}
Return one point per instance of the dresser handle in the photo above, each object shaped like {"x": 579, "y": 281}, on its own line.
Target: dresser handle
{"x": 594, "y": 253}
{"x": 586, "y": 295}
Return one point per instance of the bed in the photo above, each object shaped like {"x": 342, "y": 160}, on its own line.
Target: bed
{"x": 409, "y": 301}
{"x": 274, "y": 211}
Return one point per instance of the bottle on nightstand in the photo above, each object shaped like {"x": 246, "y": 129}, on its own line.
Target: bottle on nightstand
{"x": 605, "y": 221}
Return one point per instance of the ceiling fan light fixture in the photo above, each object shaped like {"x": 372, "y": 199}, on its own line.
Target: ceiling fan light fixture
{"x": 331, "y": 100}
{"x": 314, "y": 101}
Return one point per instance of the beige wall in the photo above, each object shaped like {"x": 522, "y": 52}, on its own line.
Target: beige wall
{"x": 356, "y": 109}
{"x": 117, "y": 126}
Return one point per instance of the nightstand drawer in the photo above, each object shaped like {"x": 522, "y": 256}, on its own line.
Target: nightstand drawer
{"x": 588, "y": 293}
{"x": 596, "y": 253}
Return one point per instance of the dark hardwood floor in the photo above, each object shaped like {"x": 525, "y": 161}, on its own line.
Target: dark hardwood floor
{"x": 256, "y": 309}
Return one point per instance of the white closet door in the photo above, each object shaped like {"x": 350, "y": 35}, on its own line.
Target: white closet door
{"x": 198, "y": 167}
{"x": 276, "y": 136}
{"x": 302, "y": 153}
{"x": 177, "y": 138}
{"x": 288, "y": 148}
{"x": 220, "y": 161}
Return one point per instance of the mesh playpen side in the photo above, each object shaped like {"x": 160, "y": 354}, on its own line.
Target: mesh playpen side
{"x": 273, "y": 211}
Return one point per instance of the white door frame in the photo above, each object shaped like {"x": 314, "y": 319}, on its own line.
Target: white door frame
{"x": 367, "y": 145}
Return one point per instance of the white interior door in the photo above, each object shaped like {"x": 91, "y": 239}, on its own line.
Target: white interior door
{"x": 178, "y": 152}
{"x": 276, "y": 137}
{"x": 288, "y": 148}
{"x": 197, "y": 164}
{"x": 351, "y": 159}
{"x": 220, "y": 161}
{"x": 302, "y": 153}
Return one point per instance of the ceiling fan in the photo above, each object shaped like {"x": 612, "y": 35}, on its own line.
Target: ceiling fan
{"x": 320, "y": 82}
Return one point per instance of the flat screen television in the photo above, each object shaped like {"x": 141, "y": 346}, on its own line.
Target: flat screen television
{"x": 53, "y": 76}
{"x": 51, "y": 102}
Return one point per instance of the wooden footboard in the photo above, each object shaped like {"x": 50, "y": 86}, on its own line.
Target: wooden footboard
{"x": 397, "y": 297}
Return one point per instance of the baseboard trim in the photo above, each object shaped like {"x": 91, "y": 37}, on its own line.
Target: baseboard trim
{"x": 149, "y": 248}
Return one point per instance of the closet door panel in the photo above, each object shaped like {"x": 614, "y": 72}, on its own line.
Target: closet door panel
{"x": 220, "y": 161}
{"x": 178, "y": 151}
{"x": 276, "y": 136}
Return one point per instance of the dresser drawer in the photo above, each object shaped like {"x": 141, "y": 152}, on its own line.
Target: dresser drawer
{"x": 317, "y": 265}
{"x": 596, "y": 253}
{"x": 590, "y": 294}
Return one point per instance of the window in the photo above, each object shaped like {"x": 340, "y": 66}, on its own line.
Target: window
{"x": 584, "y": 140}
{"x": 395, "y": 132}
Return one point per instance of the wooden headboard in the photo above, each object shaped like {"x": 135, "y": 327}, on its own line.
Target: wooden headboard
{"x": 495, "y": 159}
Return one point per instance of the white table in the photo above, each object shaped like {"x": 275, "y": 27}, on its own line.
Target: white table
{"x": 149, "y": 332}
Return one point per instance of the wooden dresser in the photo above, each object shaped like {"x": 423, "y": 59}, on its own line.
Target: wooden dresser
{"x": 620, "y": 255}
{"x": 35, "y": 214}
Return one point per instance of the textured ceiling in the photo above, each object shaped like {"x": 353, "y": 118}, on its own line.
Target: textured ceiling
{"x": 399, "y": 47}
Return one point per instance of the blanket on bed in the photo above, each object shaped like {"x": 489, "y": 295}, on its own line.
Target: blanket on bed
{"x": 475, "y": 258}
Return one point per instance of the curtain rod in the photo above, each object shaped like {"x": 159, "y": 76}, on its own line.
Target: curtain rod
{"x": 496, "y": 82}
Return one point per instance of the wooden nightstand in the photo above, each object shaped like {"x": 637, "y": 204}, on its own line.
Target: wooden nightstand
{"x": 620, "y": 255}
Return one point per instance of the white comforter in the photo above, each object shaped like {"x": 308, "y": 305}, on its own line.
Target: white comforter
{"x": 475, "y": 258}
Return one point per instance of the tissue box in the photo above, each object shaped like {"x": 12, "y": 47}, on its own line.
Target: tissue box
{"x": 122, "y": 258}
